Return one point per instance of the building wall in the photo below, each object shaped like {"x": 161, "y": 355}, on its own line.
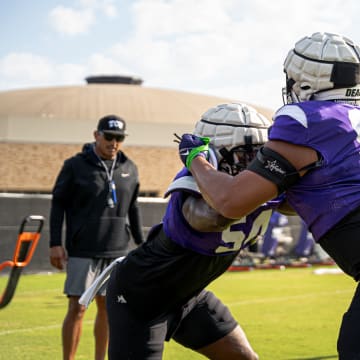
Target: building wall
{"x": 34, "y": 167}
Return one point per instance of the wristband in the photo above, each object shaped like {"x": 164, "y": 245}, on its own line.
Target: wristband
{"x": 198, "y": 151}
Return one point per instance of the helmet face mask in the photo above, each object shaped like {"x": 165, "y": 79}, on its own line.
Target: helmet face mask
{"x": 322, "y": 66}
{"x": 236, "y": 132}
{"x": 288, "y": 94}
{"x": 237, "y": 159}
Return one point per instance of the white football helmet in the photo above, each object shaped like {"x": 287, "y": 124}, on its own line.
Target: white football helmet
{"x": 236, "y": 132}
{"x": 323, "y": 66}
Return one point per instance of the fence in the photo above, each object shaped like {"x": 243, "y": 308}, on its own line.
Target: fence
{"x": 15, "y": 207}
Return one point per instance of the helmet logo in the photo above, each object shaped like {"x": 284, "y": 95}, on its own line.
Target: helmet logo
{"x": 352, "y": 92}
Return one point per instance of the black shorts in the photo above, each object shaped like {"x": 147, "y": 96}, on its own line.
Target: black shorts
{"x": 342, "y": 243}
{"x": 202, "y": 321}
{"x": 161, "y": 276}
{"x": 207, "y": 322}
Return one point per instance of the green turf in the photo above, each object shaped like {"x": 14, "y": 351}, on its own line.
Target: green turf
{"x": 287, "y": 315}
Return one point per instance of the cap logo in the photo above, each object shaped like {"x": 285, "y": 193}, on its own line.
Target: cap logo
{"x": 115, "y": 124}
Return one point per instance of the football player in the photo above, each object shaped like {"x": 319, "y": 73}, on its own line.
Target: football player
{"x": 158, "y": 291}
{"x": 313, "y": 155}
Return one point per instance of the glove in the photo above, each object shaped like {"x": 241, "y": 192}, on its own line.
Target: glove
{"x": 191, "y": 146}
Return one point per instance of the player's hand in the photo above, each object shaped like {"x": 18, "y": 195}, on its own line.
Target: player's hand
{"x": 191, "y": 146}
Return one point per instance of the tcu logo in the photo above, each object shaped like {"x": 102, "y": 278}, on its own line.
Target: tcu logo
{"x": 115, "y": 124}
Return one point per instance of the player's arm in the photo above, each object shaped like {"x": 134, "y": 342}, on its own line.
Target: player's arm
{"x": 236, "y": 196}
{"x": 202, "y": 217}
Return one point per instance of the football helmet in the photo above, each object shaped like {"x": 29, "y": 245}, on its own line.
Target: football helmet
{"x": 322, "y": 66}
{"x": 236, "y": 132}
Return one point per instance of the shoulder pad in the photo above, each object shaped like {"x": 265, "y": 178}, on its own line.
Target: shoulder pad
{"x": 294, "y": 111}
{"x": 184, "y": 183}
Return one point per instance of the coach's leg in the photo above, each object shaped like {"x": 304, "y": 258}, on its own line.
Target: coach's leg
{"x": 101, "y": 331}
{"x": 234, "y": 346}
{"x": 72, "y": 327}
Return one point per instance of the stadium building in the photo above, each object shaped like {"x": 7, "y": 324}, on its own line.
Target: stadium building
{"x": 41, "y": 127}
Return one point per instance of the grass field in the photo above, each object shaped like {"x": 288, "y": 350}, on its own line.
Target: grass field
{"x": 287, "y": 315}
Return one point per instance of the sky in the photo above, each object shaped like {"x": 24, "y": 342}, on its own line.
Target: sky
{"x": 228, "y": 48}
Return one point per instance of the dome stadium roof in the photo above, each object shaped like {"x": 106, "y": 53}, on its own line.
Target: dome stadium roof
{"x": 69, "y": 114}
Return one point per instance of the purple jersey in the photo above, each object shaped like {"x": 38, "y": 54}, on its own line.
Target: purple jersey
{"x": 239, "y": 234}
{"x": 326, "y": 194}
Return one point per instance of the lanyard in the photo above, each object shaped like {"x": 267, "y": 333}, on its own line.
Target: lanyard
{"x": 111, "y": 199}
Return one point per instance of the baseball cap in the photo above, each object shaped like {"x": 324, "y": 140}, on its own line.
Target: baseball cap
{"x": 112, "y": 124}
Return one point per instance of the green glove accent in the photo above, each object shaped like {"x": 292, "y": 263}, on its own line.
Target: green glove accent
{"x": 196, "y": 151}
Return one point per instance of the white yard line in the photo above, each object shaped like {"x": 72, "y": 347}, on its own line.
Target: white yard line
{"x": 36, "y": 328}
{"x": 236, "y": 303}
{"x": 291, "y": 297}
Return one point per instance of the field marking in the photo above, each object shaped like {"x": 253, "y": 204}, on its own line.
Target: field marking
{"x": 35, "y": 328}
{"x": 291, "y": 297}
{"x": 244, "y": 302}
{"x": 40, "y": 291}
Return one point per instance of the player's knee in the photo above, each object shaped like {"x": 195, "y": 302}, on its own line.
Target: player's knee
{"x": 245, "y": 353}
{"x": 254, "y": 356}
{"x": 238, "y": 341}
{"x": 233, "y": 346}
